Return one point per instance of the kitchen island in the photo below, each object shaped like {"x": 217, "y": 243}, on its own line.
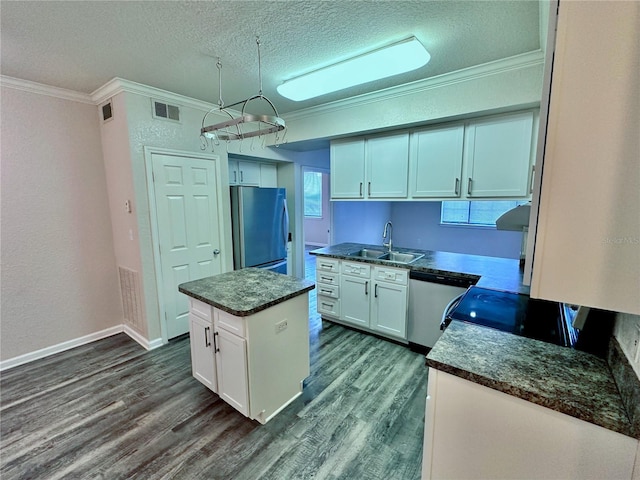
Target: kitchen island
{"x": 249, "y": 332}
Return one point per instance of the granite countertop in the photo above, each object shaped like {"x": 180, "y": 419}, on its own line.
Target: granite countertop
{"x": 247, "y": 291}
{"x": 489, "y": 272}
{"x": 562, "y": 379}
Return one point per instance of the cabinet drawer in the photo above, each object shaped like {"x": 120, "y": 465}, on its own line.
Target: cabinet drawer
{"x": 327, "y": 265}
{"x": 391, "y": 275}
{"x": 329, "y": 306}
{"x": 230, "y": 323}
{"x": 328, "y": 278}
{"x": 332, "y": 291}
{"x": 201, "y": 309}
{"x": 356, "y": 269}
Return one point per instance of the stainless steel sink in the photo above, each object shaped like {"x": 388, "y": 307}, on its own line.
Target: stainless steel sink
{"x": 366, "y": 253}
{"x": 398, "y": 257}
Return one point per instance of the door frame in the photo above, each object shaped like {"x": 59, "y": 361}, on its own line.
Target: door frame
{"x": 308, "y": 168}
{"x": 223, "y": 216}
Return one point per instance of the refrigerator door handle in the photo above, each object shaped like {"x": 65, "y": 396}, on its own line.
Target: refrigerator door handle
{"x": 285, "y": 224}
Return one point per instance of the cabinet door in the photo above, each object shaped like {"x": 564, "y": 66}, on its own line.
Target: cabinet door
{"x": 203, "y": 363}
{"x": 498, "y": 156}
{"x": 435, "y": 162}
{"x": 231, "y": 363}
{"x": 389, "y": 309}
{"x": 234, "y": 177}
{"x": 387, "y": 166}
{"x": 249, "y": 174}
{"x": 268, "y": 175}
{"x": 354, "y": 296}
{"x": 347, "y": 169}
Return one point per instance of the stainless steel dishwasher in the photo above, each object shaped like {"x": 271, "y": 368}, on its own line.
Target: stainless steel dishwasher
{"x": 429, "y": 295}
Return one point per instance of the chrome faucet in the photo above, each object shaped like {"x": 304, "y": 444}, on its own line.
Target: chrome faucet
{"x": 388, "y": 229}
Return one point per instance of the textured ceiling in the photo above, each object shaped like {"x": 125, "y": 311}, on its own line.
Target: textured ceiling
{"x": 173, "y": 45}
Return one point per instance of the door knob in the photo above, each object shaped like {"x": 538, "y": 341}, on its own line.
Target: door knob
{"x": 216, "y": 252}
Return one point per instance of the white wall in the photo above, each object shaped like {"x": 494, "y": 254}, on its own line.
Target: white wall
{"x": 58, "y": 277}
{"x": 417, "y": 225}
{"x": 360, "y": 222}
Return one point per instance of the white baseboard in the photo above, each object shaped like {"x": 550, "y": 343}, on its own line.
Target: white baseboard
{"x": 76, "y": 342}
{"x": 147, "y": 344}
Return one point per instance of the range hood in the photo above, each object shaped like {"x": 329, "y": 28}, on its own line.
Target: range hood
{"x": 515, "y": 219}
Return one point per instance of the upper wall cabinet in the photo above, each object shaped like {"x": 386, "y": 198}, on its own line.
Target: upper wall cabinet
{"x": 371, "y": 168}
{"x": 587, "y": 243}
{"x": 488, "y": 158}
{"x": 347, "y": 168}
{"x": 387, "y": 166}
{"x": 435, "y": 162}
{"x": 498, "y": 156}
{"x": 252, "y": 174}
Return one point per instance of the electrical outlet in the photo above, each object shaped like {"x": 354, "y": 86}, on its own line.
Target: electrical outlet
{"x": 281, "y": 325}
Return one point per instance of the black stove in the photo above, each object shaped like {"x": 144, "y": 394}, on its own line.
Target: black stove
{"x": 514, "y": 313}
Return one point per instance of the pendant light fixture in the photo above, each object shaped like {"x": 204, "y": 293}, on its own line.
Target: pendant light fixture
{"x": 246, "y": 125}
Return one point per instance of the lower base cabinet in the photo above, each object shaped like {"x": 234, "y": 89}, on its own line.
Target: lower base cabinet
{"x": 255, "y": 363}
{"x": 474, "y": 432}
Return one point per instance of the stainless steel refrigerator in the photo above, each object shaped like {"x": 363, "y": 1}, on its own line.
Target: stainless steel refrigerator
{"x": 260, "y": 224}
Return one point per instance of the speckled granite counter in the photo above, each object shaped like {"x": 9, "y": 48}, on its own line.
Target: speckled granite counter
{"x": 562, "y": 379}
{"x": 490, "y": 272}
{"x": 247, "y": 291}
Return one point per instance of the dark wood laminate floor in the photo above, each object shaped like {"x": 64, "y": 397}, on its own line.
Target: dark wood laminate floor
{"x": 111, "y": 410}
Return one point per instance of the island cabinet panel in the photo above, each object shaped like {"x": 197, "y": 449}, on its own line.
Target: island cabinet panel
{"x": 498, "y": 156}
{"x": 474, "y": 432}
{"x": 435, "y": 162}
{"x": 231, "y": 363}
{"x": 203, "y": 363}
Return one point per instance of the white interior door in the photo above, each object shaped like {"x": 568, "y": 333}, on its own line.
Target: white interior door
{"x": 189, "y": 230}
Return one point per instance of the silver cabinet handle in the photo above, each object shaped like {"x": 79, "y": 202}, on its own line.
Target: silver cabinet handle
{"x": 215, "y": 344}
{"x": 469, "y": 186}
{"x": 376, "y": 291}
{"x": 207, "y": 343}
{"x": 457, "y": 192}
{"x": 369, "y": 189}
{"x": 366, "y": 288}
{"x": 360, "y": 188}
{"x": 235, "y": 176}
{"x": 533, "y": 171}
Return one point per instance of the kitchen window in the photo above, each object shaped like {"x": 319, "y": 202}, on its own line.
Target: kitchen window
{"x": 313, "y": 194}
{"x": 475, "y": 213}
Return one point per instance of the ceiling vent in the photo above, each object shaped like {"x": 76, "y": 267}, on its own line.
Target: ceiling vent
{"x": 107, "y": 111}
{"x": 166, "y": 111}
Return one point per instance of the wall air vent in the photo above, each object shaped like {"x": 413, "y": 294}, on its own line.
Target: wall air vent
{"x": 165, "y": 111}
{"x": 107, "y": 111}
{"x": 131, "y": 292}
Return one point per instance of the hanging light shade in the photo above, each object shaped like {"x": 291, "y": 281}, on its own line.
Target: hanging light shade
{"x": 246, "y": 125}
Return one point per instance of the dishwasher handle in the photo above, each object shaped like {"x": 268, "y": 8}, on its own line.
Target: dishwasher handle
{"x": 450, "y": 306}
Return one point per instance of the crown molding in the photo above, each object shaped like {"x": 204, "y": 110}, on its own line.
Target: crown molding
{"x": 118, "y": 85}
{"x": 41, "y": 89}
{"x": 516, "y": 62}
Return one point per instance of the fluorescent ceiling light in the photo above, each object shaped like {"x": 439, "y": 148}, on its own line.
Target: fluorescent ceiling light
{"x": 384, "y": 62}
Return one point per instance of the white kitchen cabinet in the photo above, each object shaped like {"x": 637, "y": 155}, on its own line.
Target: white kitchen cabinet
{"x": 355, "y": 286}
{"x": 203, "y": 366}
{"x": 268, "y": 175}
{"x": 389, "y": 302}
{"x": 231, "y": 366}
{"x": 256, "y": 363}
{"x": 497, "y": 156}
{"x": 347, "y": 168}
{"x": 244, "y": 173}
{"x": 328, "y": 287}
{"x": 387, "y": 164}
{"x": 474, "y": 432}
{"x": 587, "y": 243}
{"x": 435, "y": 162}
